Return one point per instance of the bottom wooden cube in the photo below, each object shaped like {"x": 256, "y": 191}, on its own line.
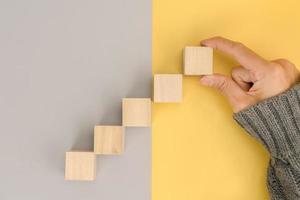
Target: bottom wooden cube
{"x": 80, "y": 166}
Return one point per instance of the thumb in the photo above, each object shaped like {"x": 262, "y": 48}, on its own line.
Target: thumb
{"x": 237, "y": 98}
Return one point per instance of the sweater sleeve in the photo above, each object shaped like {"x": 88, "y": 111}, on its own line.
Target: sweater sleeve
{"x": 275, "y": 122}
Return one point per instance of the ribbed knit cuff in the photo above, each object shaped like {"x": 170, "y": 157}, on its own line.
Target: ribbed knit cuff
{"x": 275, "y": 122}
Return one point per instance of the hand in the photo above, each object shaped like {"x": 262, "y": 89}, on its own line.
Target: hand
{"x": 255, "y": 80}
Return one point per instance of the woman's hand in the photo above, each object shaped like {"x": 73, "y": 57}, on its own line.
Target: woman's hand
{"x": 255, "y": 80}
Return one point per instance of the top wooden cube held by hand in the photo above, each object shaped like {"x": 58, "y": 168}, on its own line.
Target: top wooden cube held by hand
{"x": 198, "y": 60}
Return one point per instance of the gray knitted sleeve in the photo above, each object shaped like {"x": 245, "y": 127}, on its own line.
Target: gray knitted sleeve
{"x": 275, "y": 122}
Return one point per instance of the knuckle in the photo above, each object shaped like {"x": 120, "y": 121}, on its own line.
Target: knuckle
{"x": 284, "y": 62}
{"x": 218, "y": 37}
{"x": 223, "y": 84}
{"x": 286, "y": 71}
{"x": 237, "y": 46}
{"x": 277, "y": 69}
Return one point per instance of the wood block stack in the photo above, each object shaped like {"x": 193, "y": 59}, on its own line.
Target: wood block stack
{"x": 136, "y": 112}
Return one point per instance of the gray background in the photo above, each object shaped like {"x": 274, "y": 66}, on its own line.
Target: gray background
{"x": 64, "y": 67}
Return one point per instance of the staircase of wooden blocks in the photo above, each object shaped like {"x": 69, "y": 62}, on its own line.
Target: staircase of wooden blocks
{"x": 136, "y": 112}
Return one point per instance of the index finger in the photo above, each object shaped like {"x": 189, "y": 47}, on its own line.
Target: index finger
{"x": 245, "y": 56}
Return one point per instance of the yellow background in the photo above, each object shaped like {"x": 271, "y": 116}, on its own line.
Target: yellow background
{"x": 199, "y": 152}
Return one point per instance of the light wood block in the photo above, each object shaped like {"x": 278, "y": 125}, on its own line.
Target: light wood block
{"x": 108, "y": 139}
{"x": 167, "y": 88}
{"x": 80, "y": 166}
{"x": 136, "y": 112}
{"x": 198, "y": 60}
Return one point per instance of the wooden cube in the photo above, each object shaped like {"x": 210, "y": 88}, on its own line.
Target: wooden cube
{"x": 136, "y": 112}
{"x": 80, "y": 166}
{"x": 108, "y": 139}
{"x": 167, "y": 88}
{"x": 198, "y": 60}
